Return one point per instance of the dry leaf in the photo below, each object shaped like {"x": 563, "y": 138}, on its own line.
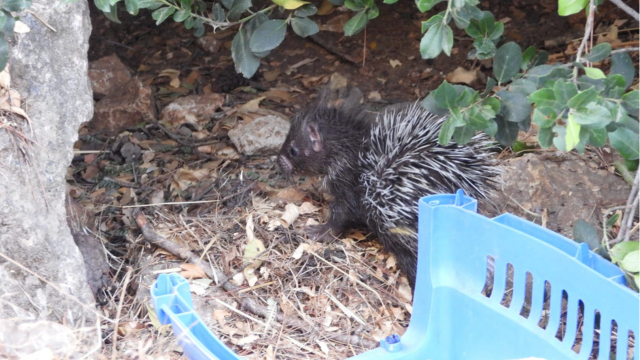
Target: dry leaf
{"x": 271, "y": 74}
{"x": 278, "y": 95}
{"x": 253, "y": 104}
{"x": 192, "y": 271}
{"x": 307, "y": 208}
{"x": 247, "y": 340}
{"x": 21, "y": 28}
{"x": 220, "y": 316}
{"x": 610, "y": 36}
{"x": 325, "y": 8}
{"x": 323, "y": 346}
{"x": 375, "y": 96}
{"x": 290, "y": 195}
{"x": 5, "y": 78}
{"x": 405, "y": 290}
{"x": 462, "y": 75}
{"x": 290, "y": 215}
{"x": 395, "y": 63}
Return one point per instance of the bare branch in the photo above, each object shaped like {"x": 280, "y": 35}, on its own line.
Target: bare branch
{"x": 624, "y": 7}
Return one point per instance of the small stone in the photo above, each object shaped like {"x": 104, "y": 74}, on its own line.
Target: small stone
{"x": 193, "y": 109}
{"x": 262, "y": 136}
{"x": 132, "y": 104}
{"x": 107, "y": 74}
{"x": 210, "y": 44}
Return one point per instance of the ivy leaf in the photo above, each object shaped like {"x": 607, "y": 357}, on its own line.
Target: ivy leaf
{"x": 594, "y": 73}
{"x": 162, "y": 14}
{"x": 4, "y": 53}
{"x": 304, "y": 26}
{"x": 306, "y": 10}
{"x": 445, "y": 96}
{"x": 268, "y": 35}
{"x": 583, "y": 232}
{"x": 514, "y": 106}
{"x": 438, "y": 38}
{"x": 593, "y": 115}
{"x": 506, "y": 63}
{"x": 626, "y": 142}
{"x": 570, "y": 7}
{"x": 621, "y": 250}
{"x": 132, "y": 6}
{"x": 583, "y": 98}
{"x": 16, "y": 5}
{"x": 622, "y": 64}
{"x": 572, "y": 136}
{"x": 244, "y": 60}
{"x": 426, "y": 5}
{"x": 564, "y": 90}
{"x": 599, "y": 52}
{"x": 631, "y": 101}
{"x": 181, "y": 15}
{"x": 356, "y": 24}
{"x": 290, "y": 4}
{"x": 544, "y": 117}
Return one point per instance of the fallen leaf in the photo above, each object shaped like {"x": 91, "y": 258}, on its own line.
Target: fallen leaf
{"x": 247, "y": 340}
{"x": 462, "y": 75}
{"x": 278, "y": 95}
{"x": 192, "y": 271}
{"x": 20, "y": 27}
{"x": 271, "y": 74}
{"x": 375, "y": 96}
{"x": 253, "y": 104}
{"x": 290, "y": 195}
{"x": 220, "y": 316}
{"x": 395, "y": 63}
{"x": 325, "y": 8}
{"x": 290, "y": 215}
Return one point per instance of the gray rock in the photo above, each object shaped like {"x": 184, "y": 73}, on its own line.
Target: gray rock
{"x": 50, "y": 70}
{"x": 262, "y": 136}
{"x": 108, "y": 74}
{"x": 567, "y": 186}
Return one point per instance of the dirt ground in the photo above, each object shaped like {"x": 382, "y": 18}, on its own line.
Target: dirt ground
{"x": 385, "y": 63}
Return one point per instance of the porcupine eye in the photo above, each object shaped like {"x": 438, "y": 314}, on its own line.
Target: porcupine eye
{"x": 293, "y": 152}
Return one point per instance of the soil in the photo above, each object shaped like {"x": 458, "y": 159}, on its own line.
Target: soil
{"x": 219, "y": 226}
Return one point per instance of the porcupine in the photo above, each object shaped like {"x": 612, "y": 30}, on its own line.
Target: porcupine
{"x": 377, "y": 167}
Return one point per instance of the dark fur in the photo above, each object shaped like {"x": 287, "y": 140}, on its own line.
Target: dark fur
{"x": 370, "y": 189}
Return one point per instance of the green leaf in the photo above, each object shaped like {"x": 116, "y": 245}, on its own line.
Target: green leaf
{"x": 570, "y": 7}
{"x": 564, "y": 90}
{"x": 306, "y": 10}
{"x": 162, "y": 14}
{"x": 16, "y": 5}
{"x": 583, "y": 98}
{"x": 559, "y": 139}
{"x": 356, "y": 24}
{"x": 372, "y": 12}
{"x": 148, "y": 4}
{"x": 491, "y": 82}
{"x": 445, "y": 96}
{"x": 4, "y": 53}
{"x": 514, "y": 106}
{"x": 507, "y": 62}
{"x": 626, "y": 142}
{"x": 631, "y": 101}
{"x": 593, "y": 115}
{"x": 227, "y": 3}
{"x": 543, "y": 98}
{"x": 9, "y": 23}
{"x": 463, "y": 15}
{"x": 583, "y": 232}
{"x": 218, "y": 13}
{"x": 181, "y": 15}
{"x": 304, "y": 26}
{"x": 239, "y": 6}
{"x": 572, "y": 136}
{"x": 485, "y": 48}
{"x": 355, "y": 5}
{"x": 111, "y": 15}
{"x": 198, "y": 28}
{"x": 523, "y": 86}
{"x": 622, "y": 64}
{"x": 544, "y": 117}
{"x": 435, "y": 19}
{"x": 545, "y": 137}
{"x": 597, "y": 137}
{"x": 631, "y": 262}
{"x": 446, "y": 132}
{"x": 103, "y": 5}
{"x": 507, "y": 131}
{"x": 438, "y": 38}
{"x": 539, "y": 59}
{"x": 594, "y": 73}
{"x": 621, "y": 250}
{"x": 463, "y": 134}
{"x": 244, "y": 60}
{"x": 426, "y": 5}
{"x": 599, "y": 52}
{"x": 527, "y": 56}
{"x": 390, "y": 1}
{"x": 132, "y": 6}
{"x": 268, "y": 35}
{"x": 188, "y": 24}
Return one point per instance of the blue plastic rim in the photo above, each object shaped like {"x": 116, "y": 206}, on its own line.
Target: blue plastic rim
{"x": 454, "y": 317}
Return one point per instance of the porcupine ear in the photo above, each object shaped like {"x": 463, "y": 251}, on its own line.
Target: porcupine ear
{"x": 315, "y": 137}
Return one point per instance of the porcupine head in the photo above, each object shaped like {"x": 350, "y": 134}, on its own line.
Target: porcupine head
{"x": 325, "y": 140}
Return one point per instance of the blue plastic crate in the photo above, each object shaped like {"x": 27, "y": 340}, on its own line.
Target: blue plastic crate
{"x": 452, "y": 318}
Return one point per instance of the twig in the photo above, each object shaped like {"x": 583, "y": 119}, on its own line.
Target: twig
{"x": 587, "y": 34}
{"x": 624, "y": 171}
{"x": 626, "y": 9}
{"x": 331, "y": 49}
{"x": 629, "y": 212}
{"x": 42, "y": 21}
{"x": 626, "y": 50}
{"x": 123, "y": 293}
